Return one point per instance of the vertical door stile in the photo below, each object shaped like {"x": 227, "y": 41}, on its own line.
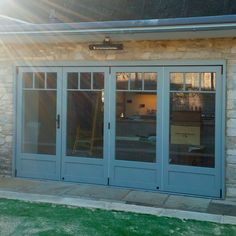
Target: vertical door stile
{"x": 63, "y": 115}
{"x": 108, "y": 121}
{"x": 160, "y": 125}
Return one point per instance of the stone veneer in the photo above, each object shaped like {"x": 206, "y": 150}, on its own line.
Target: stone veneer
{"x": 134, "y": 50}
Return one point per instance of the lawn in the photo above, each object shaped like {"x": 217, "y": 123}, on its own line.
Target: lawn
{"x": 24, "y": 218}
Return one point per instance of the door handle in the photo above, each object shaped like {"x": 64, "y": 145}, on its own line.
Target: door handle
{"x": 58, "y": 121}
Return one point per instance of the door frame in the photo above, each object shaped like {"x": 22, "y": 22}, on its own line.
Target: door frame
{"x": 166, "y": 63}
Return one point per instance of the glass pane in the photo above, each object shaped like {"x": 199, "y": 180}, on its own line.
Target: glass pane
{"x": 85, "y": 111}
{"x": 135, "y": 81}
{"x": 39, "y": 128}
{"x": 122, "y": 81}
{"x": 192, "y": 129}
{"x": 98, "y": 80}
{"x": 51, "y": 80}
{"x": 150, "y": 81}
{"x": 192, "y": 81}
{"x": 27, "y": 80}
{"x": 39, "y": 80}
{"x": 136, "y": 126}
{"x": 85, "y": 80}
{"x": 176, "y": 81}
{"x": 72, "y": 81}
{"x": 208, "y": 81}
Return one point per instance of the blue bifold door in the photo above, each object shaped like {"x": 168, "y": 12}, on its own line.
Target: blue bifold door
{"x": 153, "y": 127}
{"x": 38, "y": 122}
{"x": 136, "y": 130}
{"x": 193, "y": 139}
{"x": 85, "y": 125}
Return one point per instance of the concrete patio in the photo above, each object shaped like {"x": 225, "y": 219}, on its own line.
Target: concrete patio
{"x": 114, "y": 198}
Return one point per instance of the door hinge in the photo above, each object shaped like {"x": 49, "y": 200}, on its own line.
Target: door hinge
{"x": 220, "y": 193}
{"x": 108, "y": 181}
{"x": 15, "y": 172}
{"x": 222, "y": 70}
{"x": 109, "y": 125}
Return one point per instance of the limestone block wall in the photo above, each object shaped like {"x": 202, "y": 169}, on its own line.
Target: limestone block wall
{"x": 134, "y": 50}
{"x": 231, "y": 129}
{"x": 6, "y": 118}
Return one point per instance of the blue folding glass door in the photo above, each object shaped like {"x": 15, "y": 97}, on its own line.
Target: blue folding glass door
{"x": 135, "y": 150}
{"x": 193, "y": 138}
{"x": 85, "y": 124}
{"x": 38, "y": 122}
{"x": 151, "y": 127}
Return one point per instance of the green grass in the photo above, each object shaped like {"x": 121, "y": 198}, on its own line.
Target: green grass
{"x": 24, "y": 218}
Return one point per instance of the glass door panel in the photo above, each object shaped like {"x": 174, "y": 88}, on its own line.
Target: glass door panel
{"x": 85, "y": 113}
{"x": 39, "y": 113}
{"x": 192, "y": 119}
{"x": 136, "y": 126}
{"x": 136, "y": 117}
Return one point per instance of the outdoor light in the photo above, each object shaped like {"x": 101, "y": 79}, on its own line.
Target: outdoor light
{"x": 106, "y": 45}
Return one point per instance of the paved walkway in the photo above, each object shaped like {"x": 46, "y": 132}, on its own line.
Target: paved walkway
{"x": 115, "y": 198}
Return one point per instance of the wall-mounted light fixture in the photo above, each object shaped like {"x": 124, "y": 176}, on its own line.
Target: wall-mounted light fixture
{"x": 106, "y": 45}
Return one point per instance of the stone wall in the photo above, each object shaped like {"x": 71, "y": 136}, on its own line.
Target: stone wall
{"x": 143, "y": 50}
{"x": 6, "y": 118}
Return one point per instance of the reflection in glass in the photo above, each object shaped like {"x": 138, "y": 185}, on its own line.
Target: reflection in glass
{"x": 98, "y": 80}
{"x": 136, "y": 126}
{"x": 39, "y": 128}
{"x": 72, "y": 81}
{"x": 27, "y": 80}
{"x": 85, "y": 113}
{"x": 85, "y": 80}
{"x": 122, "y": 81}
{"x": 136, "y": 81}
{"x": 192, "y": 129}
{"x": 51, "y": 80}
{"x": 176, "y": 81}
{"x": 192, "y": 81}
{"x": 150, "y": 81}
{"x": 39, "y": 80}
{"x": 208, "y": 81}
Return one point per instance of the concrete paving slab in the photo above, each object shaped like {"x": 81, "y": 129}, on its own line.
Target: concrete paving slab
{"x": 49, "y": 188}
{"x": 225, "y": 209}
{"x": 187, "y": 203}
{"x": 227, "y": 201}
{"x": 99, "y": 192}
{"x": 145, "y": 198}
{"x": 16, "y": 184}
